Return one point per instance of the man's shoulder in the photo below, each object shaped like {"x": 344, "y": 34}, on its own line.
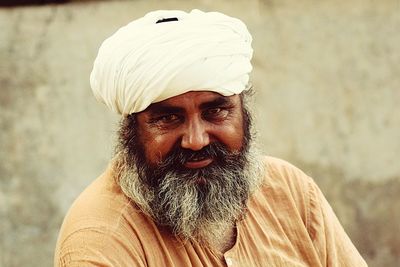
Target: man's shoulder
{"x": 101, "y": 206}
{"x": 102, "y": 198}
{"x": 99, "y": 219}
{"x": 285, "y": 193}
{"x": 278, "y": 165}
{"x": 283, "y": 178}
{"x": 283, "y": 170}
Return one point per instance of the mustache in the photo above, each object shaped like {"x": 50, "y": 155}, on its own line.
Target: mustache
{"x": 178, "y": 156}
{"x": 174, "y": 163}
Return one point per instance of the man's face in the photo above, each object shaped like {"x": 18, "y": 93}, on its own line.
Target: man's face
{"x": 191, "y": 121}
{"x": 186, "y": 162}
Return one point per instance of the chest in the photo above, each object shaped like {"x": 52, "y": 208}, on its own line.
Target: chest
{"x": 259, "y": 241}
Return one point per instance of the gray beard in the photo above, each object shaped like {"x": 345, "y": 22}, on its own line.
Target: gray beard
{"x": 192, "y": 210}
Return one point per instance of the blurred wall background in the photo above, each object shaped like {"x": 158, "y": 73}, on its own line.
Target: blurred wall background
{"x": 327, "y": 75}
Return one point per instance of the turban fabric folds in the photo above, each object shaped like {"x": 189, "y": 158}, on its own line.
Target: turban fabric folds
{"x": 167, "y": 53}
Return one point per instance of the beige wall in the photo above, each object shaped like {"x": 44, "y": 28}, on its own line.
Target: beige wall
{"x": 327, "y": 75}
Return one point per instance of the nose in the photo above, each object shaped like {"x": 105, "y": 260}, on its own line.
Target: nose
{"x": 195, "y": 135}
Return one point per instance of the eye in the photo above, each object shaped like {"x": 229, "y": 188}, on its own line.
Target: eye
{"x": 212, "y": 111}
{"x": 215, "y": 113}
{"x": 165, "y": 120}
{"x": 169, "y": 118}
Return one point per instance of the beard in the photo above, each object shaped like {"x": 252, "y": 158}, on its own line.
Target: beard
{"x": 194, "y": 204}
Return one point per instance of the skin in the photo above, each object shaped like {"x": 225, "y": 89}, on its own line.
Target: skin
{"x": 193, "y": 120}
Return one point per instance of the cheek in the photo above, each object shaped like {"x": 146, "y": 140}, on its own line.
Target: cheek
{"x": 157, "y": 146}
{"x": 154, "y": 142}
{"x": 233, "y": 139}
{"x": 231, "y": 134}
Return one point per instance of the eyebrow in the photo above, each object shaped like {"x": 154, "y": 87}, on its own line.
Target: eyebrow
{"x": 162, "y": 108}
{"x": 218, "y": 102}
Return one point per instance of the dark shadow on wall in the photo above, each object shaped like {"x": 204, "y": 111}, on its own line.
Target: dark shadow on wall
{"x": 367, "y": 209}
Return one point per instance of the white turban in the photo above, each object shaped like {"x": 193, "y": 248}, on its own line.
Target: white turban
{"x": 167, "y": 53}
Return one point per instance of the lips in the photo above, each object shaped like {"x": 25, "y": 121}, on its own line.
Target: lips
{"x": 198, "y": 163}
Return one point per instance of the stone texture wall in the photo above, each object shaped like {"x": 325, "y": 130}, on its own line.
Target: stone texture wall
{"x": 327, "y": 76}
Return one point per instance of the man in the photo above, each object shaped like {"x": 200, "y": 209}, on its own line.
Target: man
{"x": 187, "y": 186}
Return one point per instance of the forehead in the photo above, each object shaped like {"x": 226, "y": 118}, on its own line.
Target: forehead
{"x": 195, "y": 100}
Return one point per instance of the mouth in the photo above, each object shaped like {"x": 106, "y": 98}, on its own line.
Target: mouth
{"x": 198, "y": 163}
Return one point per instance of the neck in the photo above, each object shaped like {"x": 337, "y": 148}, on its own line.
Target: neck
{"x": 220, "y": 241}
{"x": 228, "y": 240}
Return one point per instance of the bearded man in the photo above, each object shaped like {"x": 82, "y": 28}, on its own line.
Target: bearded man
{"x": 187, "y": 187}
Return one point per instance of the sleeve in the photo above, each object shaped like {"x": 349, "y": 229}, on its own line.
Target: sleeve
{"x": 98, "y": 247}
{"x": 331, "y": 242}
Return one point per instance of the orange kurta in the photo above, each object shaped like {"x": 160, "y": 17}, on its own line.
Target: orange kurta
{"x": 288, "y": 223}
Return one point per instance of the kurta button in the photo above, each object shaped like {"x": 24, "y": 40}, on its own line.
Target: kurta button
{"x": 229, "y": 261}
